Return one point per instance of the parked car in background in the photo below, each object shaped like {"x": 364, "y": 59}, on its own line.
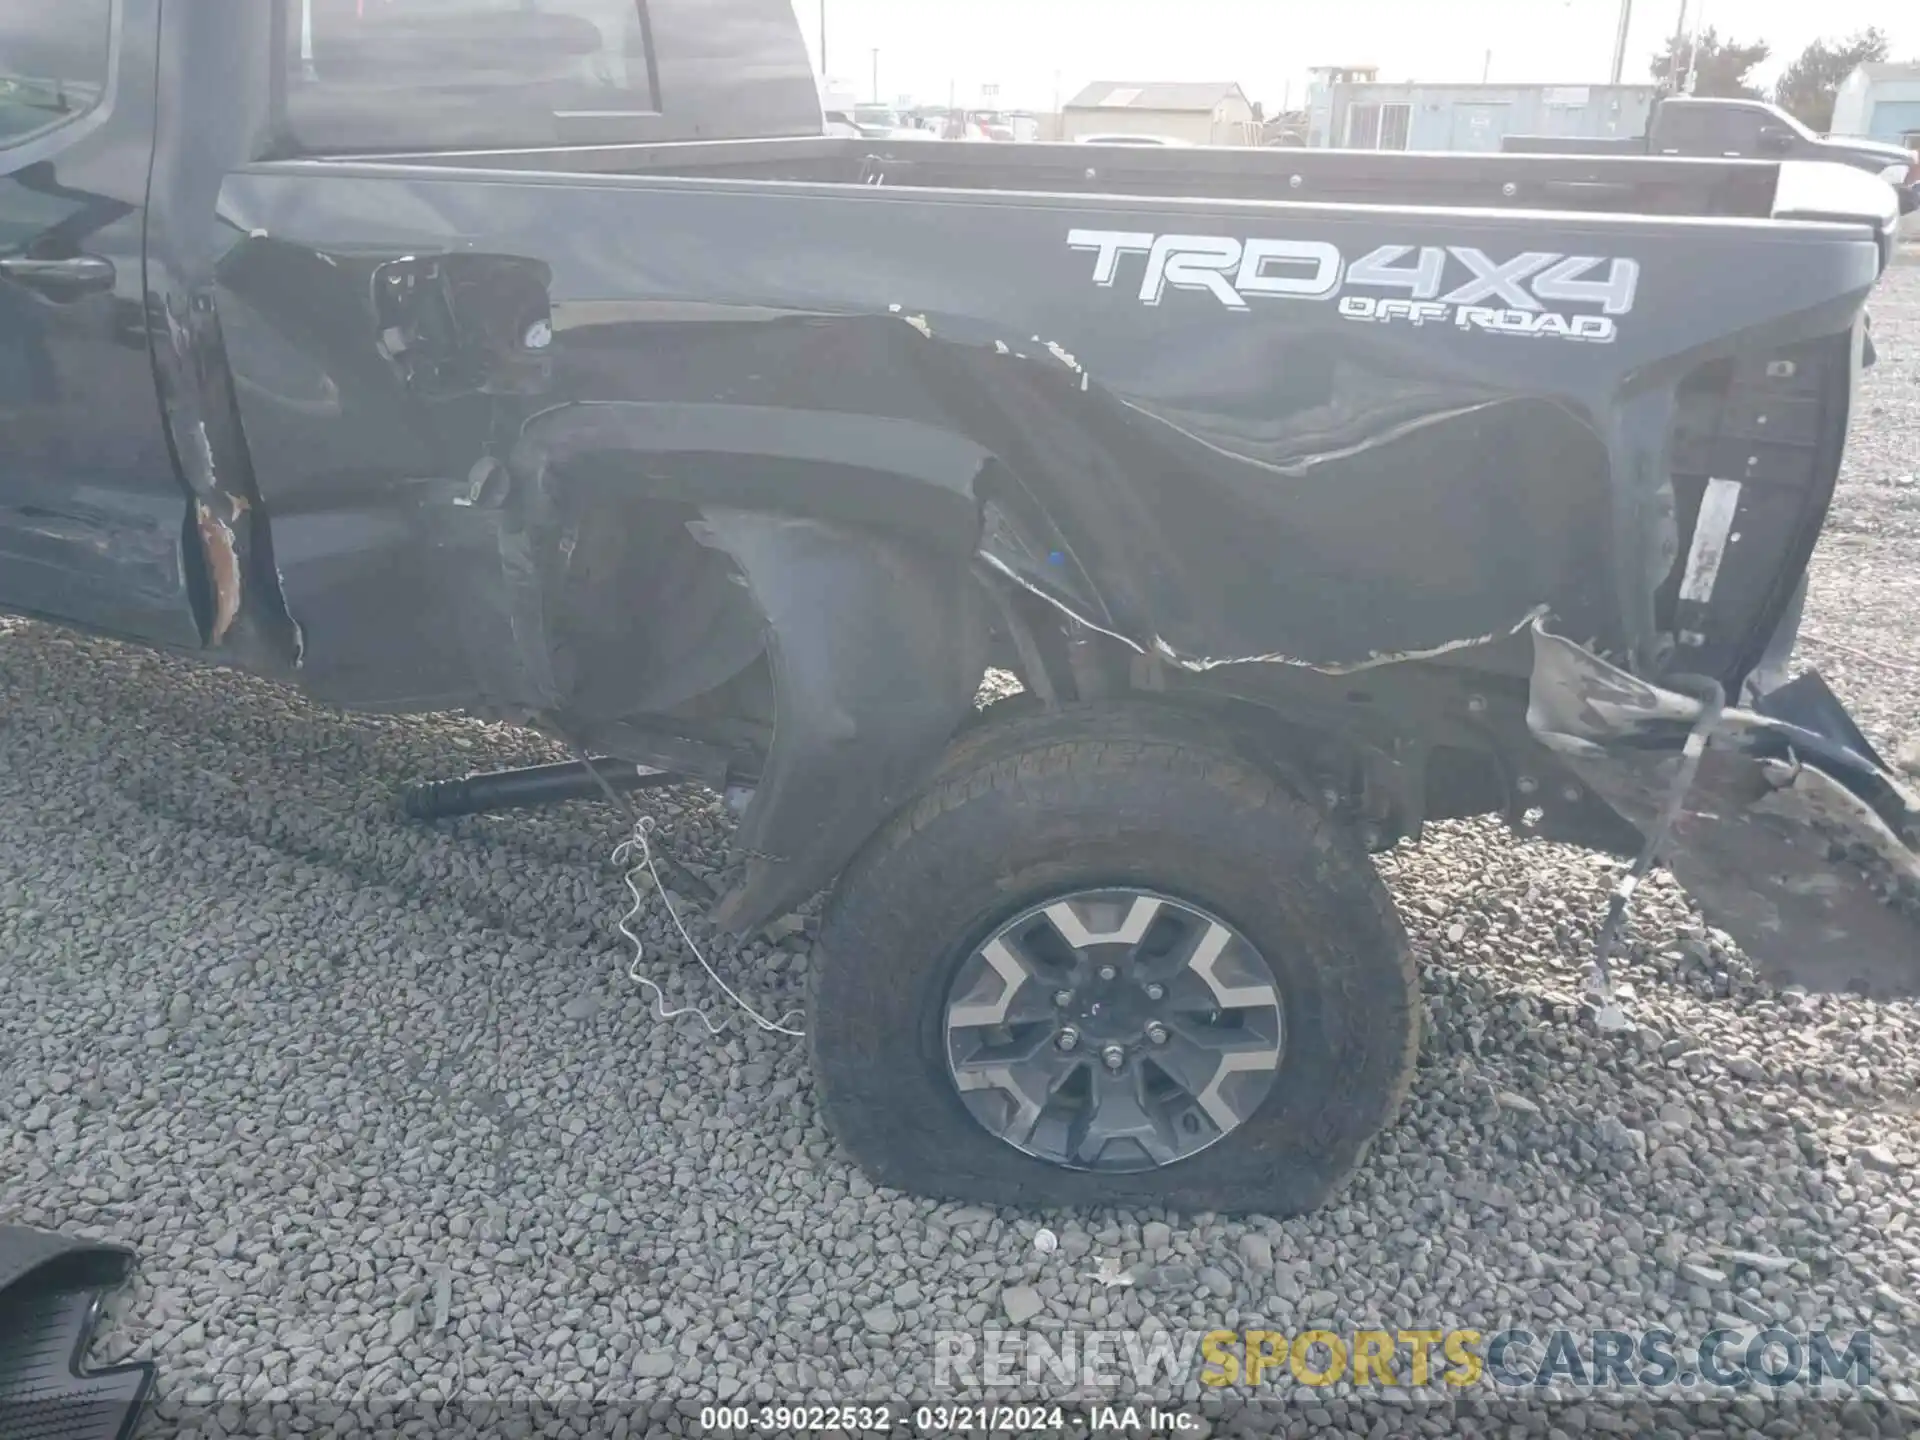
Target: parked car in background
{"x": 878, "y": 121}
{"x": 1909, "y": 187}
{"x": 1733, "y": 129}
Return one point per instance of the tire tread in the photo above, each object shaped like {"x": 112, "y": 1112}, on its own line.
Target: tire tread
{"x": 1165, "y": 760}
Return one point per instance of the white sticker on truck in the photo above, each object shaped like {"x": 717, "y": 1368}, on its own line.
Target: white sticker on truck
{"x": 1537, "y": 293}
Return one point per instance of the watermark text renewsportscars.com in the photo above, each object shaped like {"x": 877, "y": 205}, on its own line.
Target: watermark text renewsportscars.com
{"x": 1096, "y": 1362}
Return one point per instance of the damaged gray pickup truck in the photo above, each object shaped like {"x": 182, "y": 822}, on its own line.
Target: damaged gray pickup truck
{"x": 550, "y": 363}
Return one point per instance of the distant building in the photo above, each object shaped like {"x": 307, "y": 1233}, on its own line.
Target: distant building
{"x": 1344, "y": 74}
{"x": 1881, "y": 102}
{"x": 1217, "y": 113}
{"x": 1320, "y": 82}
{"x": 1368, "y": 115}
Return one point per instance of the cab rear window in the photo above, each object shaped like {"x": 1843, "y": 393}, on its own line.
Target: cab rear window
{"x": 365, "y": 76}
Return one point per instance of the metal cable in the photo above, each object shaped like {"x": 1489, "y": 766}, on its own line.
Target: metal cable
{"x": 1713, "y": 705}
{"x": 643, "y": 826}
{"x": 641, "y": 829}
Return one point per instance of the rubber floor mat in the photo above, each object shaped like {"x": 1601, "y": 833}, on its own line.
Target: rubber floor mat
{"x": 52, "y": 1289}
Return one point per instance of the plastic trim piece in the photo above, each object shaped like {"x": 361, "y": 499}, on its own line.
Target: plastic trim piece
{"x": 52, "y": 1290}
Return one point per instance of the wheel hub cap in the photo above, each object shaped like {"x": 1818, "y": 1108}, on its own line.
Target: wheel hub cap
{"x": 1113, "y": 1030}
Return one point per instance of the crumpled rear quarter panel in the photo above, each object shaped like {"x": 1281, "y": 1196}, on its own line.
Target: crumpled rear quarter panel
{"x": 1279, "y": 482}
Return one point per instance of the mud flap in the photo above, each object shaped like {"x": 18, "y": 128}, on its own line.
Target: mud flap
{"x": 1794, "y": 838}
{"x": 51, "y": 1291}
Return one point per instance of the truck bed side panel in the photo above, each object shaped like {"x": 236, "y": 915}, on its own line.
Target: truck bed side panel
{"x": 1220, "y": 458}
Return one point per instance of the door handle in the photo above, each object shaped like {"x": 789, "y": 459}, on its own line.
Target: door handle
{"x": 73, "y": 276}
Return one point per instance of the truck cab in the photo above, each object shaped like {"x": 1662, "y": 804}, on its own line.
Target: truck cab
{"x": 1753, "y": 129}
{"x": 1695, "y": 126}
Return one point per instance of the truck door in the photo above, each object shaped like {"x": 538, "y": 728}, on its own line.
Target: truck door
{"x": 1728, "y": 129}
{"x": 92, "y": 514}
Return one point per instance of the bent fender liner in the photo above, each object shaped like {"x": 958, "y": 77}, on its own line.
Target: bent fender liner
{"x": 1795, "y": 843}
{"x": 877, "y": 650}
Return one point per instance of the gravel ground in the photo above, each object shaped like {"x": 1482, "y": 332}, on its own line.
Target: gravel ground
{"x": 384, "y": 1114}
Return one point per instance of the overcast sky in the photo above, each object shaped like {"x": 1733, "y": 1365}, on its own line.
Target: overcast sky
{"x": 1023, "y": 45}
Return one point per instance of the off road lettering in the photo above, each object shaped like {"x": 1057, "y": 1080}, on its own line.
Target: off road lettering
{"x": 1535, "y": 293}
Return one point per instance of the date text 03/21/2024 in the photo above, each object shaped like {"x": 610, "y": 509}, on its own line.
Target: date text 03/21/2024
{"x": 943, "y": 1419}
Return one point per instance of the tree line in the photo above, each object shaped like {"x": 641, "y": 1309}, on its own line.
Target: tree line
{"x": 1805, "y": 89}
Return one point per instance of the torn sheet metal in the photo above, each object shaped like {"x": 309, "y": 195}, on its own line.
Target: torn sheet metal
{"x": 918, "y": 322}
{"x": 215, "y": 465}
{"x": 1801, "y": 848}
{"x": 1198, "y": 664}
{"x": 1235, "y": 478}
{"x": 219, "y": 511}
{"x": 1371, "y": 662}
{"x": 1001, "y": 567}
{"x": 222, "y": 552}
{"x": 1350, "y": 519}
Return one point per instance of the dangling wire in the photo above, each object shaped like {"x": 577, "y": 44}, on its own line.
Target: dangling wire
{"x": 642, "y": 828}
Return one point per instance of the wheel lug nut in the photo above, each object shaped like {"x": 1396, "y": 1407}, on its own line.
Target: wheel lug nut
{"x": 1157, "y": 1033}
{"x": 1107, "y": 972}
{"x": 1156, "y": 992}
{"x": 1113, "y": 1057}
{"x": 1062, "y": 998}
{"x": 1068, "y": 1039}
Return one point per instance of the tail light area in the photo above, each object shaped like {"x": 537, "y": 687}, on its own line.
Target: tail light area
{"x": 1755, "y": 452}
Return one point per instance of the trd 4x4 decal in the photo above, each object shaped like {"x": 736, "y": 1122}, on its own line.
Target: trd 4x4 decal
{"x": 1454, "y": 285}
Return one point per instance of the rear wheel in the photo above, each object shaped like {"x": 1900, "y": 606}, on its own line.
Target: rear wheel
{"x": 1107, "y": 959}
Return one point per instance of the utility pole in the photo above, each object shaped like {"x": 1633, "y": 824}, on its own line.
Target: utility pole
{"x": 876, "y": 77}
{"x": 1486, "y": 70}
{"x": 824, "y": 72}
{"x": 1693, "y": 48}
{"x": 1620, "y": 40}
{"x": 1679, "y": 48}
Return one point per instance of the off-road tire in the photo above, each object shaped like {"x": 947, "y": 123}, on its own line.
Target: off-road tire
{"x": 1113, "y": 794}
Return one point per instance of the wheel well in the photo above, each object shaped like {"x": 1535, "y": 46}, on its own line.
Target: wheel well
{"x": 833, "y": 662}
{"x": 1389, "y": 748}
{"x": 647, "y": 619}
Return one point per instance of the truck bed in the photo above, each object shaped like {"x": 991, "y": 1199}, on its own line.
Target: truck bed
{"x": 1618, "y": 182}
{"x": 1574, "y": 145}
{"x": 1377, "y": 310}
{"x": 1256, "y": 433}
